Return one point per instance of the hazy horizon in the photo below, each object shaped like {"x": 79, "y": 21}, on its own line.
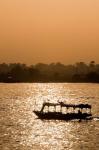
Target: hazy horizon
{"x": 49, "y": 31}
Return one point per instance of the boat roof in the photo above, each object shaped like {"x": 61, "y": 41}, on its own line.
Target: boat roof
{"x": 75, "y": 106}
{"x": 68, "y": 105}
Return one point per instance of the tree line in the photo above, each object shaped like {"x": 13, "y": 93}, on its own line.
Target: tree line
{"x": 54, "y": 72}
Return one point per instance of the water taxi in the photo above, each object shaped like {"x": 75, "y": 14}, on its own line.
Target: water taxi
{"x": 80, "y": 111}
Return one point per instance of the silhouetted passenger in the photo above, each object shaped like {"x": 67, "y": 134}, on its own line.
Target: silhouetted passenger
{"x": 79, "y": 112}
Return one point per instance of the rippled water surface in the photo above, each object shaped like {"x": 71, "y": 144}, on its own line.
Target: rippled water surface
{"x": 21, "y": 130}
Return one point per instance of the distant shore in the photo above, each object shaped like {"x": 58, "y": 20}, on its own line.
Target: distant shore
{"x": 49, "y": 73}
{"x": 49, "y": 82}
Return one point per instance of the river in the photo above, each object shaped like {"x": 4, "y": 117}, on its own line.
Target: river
{"x": 21, "y": 130}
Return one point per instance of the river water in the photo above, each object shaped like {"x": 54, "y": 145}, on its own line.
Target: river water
{"x": 21, "y": 130}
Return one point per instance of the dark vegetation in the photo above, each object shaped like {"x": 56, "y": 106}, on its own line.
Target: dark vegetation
{"x": 54, "y": 72}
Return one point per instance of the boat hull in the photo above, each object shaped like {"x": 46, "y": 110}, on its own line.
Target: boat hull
{"x": 60, "y": 116}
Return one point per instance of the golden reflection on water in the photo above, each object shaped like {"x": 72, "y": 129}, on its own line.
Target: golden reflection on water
{"x": 20, "y": 129}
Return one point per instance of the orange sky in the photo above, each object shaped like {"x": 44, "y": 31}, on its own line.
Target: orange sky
{"x": 47, "y": 31}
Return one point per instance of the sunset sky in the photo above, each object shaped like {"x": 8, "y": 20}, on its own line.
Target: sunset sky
{"x": 33, "y": 31}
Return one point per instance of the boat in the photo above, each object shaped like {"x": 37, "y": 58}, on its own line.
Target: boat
{"x": 80, "y": 111}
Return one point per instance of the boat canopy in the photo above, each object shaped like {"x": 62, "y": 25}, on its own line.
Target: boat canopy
{"x": 75, "y": 106}
{"x": 61, "y": 104}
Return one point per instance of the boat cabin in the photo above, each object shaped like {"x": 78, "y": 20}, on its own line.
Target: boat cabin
{"x": 80, "y": 108}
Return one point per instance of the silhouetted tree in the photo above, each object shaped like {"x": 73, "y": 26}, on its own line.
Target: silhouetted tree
{"x": 54, "y": 72}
